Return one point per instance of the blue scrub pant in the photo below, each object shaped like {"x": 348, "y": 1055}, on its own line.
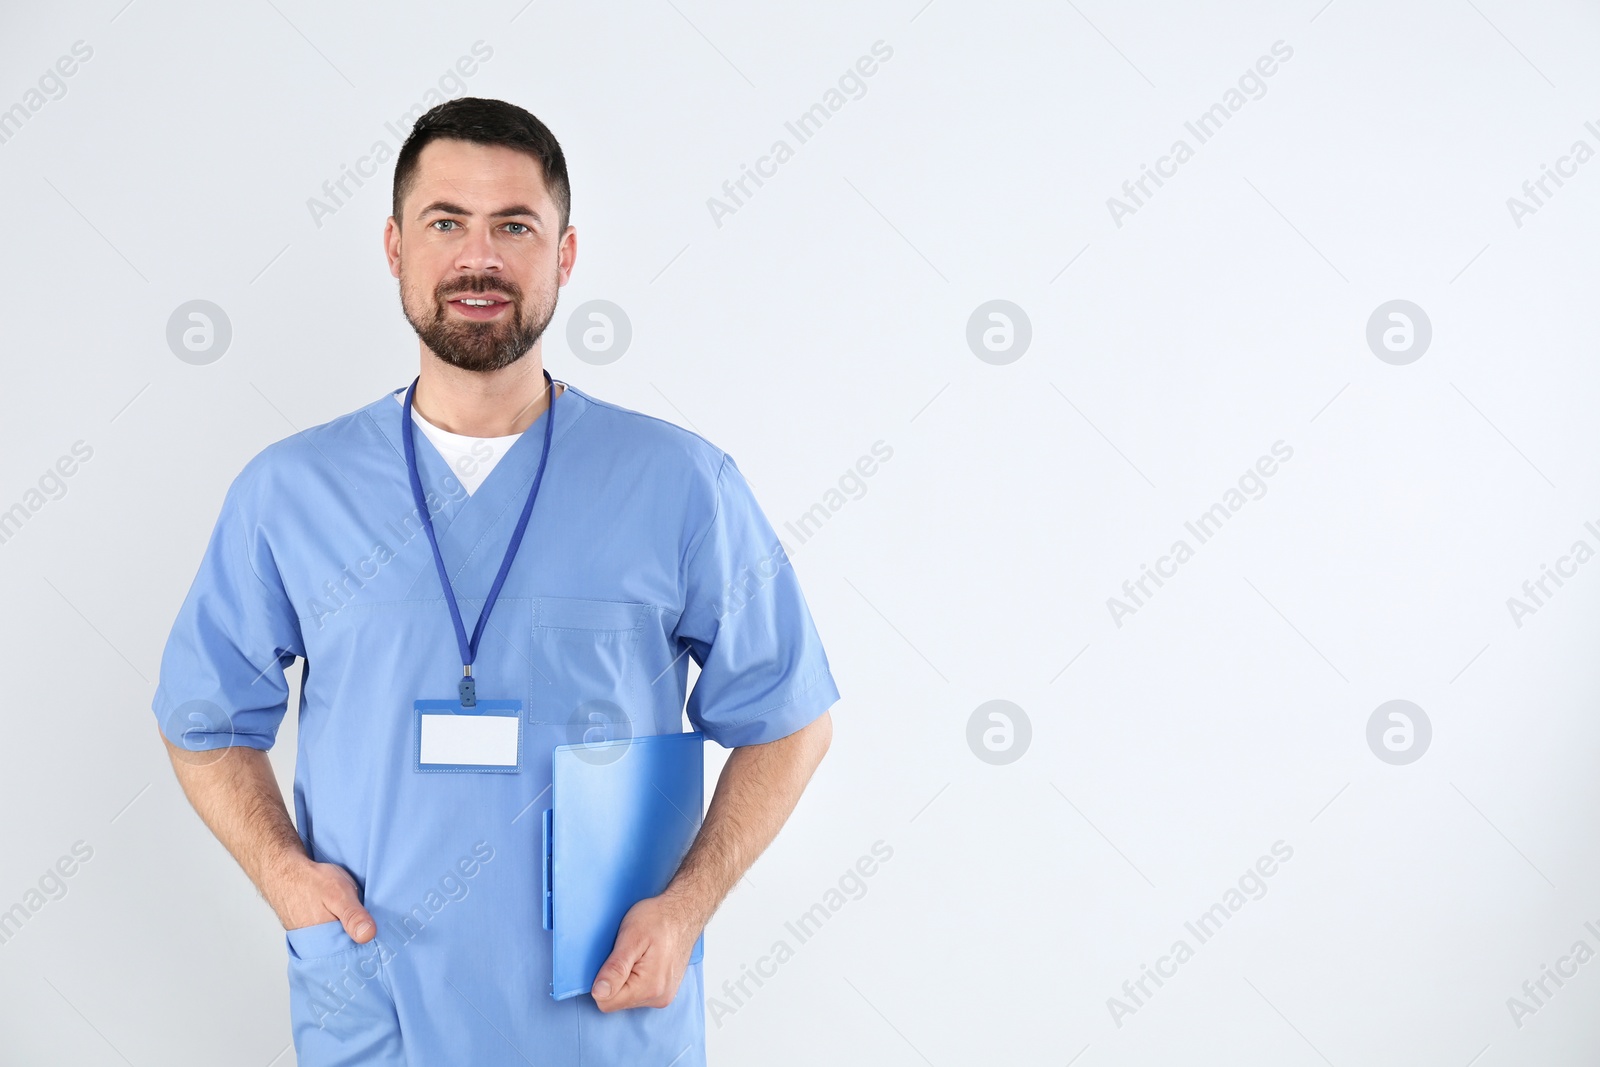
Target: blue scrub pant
{"x": 423, "y": 1004}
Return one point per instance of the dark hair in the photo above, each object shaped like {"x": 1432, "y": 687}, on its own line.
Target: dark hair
{"x": 487, "y": 122}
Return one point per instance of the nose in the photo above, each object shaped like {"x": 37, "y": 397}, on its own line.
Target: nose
{"x": 478, "y": 252}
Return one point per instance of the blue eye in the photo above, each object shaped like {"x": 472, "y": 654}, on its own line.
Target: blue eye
{"x": 438, "y": 222}
{"x": 525, "y": 228}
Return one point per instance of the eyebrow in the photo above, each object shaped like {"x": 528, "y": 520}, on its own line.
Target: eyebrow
{"x": 447, "y": 208}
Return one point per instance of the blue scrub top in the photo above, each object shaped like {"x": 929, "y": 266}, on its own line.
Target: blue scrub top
{"x": 646, "y": 549}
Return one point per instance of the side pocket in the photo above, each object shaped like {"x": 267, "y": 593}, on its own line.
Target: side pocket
{"x": 337, "y": 997}
{"x": 587, "y": 669}
{"x": 318, "y": 941}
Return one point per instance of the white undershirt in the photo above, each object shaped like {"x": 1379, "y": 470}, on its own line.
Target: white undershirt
{"x": 472, "y": 458}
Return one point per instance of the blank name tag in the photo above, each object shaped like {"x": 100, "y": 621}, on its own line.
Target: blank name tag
{"x": 487, "y": 737}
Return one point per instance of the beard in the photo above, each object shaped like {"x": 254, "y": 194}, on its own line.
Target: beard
{"x": 480, "y": 346}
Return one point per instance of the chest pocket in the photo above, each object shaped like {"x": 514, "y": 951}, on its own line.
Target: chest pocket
{"x": 587, "y": 667}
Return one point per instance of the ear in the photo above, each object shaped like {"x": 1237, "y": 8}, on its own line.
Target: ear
{"x": 391, "y": 245}
{"x": 567, "y": 256}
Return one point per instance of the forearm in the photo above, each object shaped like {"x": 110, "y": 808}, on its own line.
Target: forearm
{"x": 236, "y": 794}
{"x": 756, "y": 792}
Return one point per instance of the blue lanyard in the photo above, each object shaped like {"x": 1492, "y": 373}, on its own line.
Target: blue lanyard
{"x": 469, "y": 649}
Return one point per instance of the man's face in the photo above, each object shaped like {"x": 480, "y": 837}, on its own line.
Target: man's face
{"x": 478, "y": 225}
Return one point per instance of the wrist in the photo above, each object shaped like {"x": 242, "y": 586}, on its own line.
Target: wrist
{"x": 689, "y": 903}
{"x": 282, "y": 876}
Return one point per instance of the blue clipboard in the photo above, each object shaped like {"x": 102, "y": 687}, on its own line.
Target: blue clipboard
{"x": 622, "y": 815}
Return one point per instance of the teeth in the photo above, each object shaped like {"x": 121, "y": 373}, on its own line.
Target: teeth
{"x": 479, "y": 303}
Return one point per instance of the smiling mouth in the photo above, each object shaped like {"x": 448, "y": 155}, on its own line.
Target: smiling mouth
{"x": 478, "y": 307}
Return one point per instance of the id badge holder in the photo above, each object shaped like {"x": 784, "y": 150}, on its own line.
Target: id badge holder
{"x": 484, "y": 738}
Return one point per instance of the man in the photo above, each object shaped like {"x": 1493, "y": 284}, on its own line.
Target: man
{"x": 410, "y": 892}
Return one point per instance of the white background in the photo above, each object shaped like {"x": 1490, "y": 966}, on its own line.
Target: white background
{"x": 829, "y": 312}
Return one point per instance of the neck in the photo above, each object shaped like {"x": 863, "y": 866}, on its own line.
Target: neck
{"x": 482, "y": 404}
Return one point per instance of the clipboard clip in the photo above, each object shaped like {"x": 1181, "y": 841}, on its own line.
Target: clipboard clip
{"x": 545, "y": 894}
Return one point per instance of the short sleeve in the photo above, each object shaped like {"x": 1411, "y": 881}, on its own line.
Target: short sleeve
{"x": 763, "y": 672}
{"x": 222, "y": 680}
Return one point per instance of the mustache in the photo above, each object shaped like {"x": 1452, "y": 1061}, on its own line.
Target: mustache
{"x": 480, "y": 285}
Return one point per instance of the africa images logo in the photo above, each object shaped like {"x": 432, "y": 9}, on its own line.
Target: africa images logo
{"x": 337, "y": 192}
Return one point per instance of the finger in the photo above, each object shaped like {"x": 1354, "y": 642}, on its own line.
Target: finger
{"x": 613, "y": 975}
{"x": 646, "y": 986}
{"x": 357, "y": 921}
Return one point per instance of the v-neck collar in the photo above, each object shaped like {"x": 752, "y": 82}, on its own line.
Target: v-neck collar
{"x": 467, "y": 523}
